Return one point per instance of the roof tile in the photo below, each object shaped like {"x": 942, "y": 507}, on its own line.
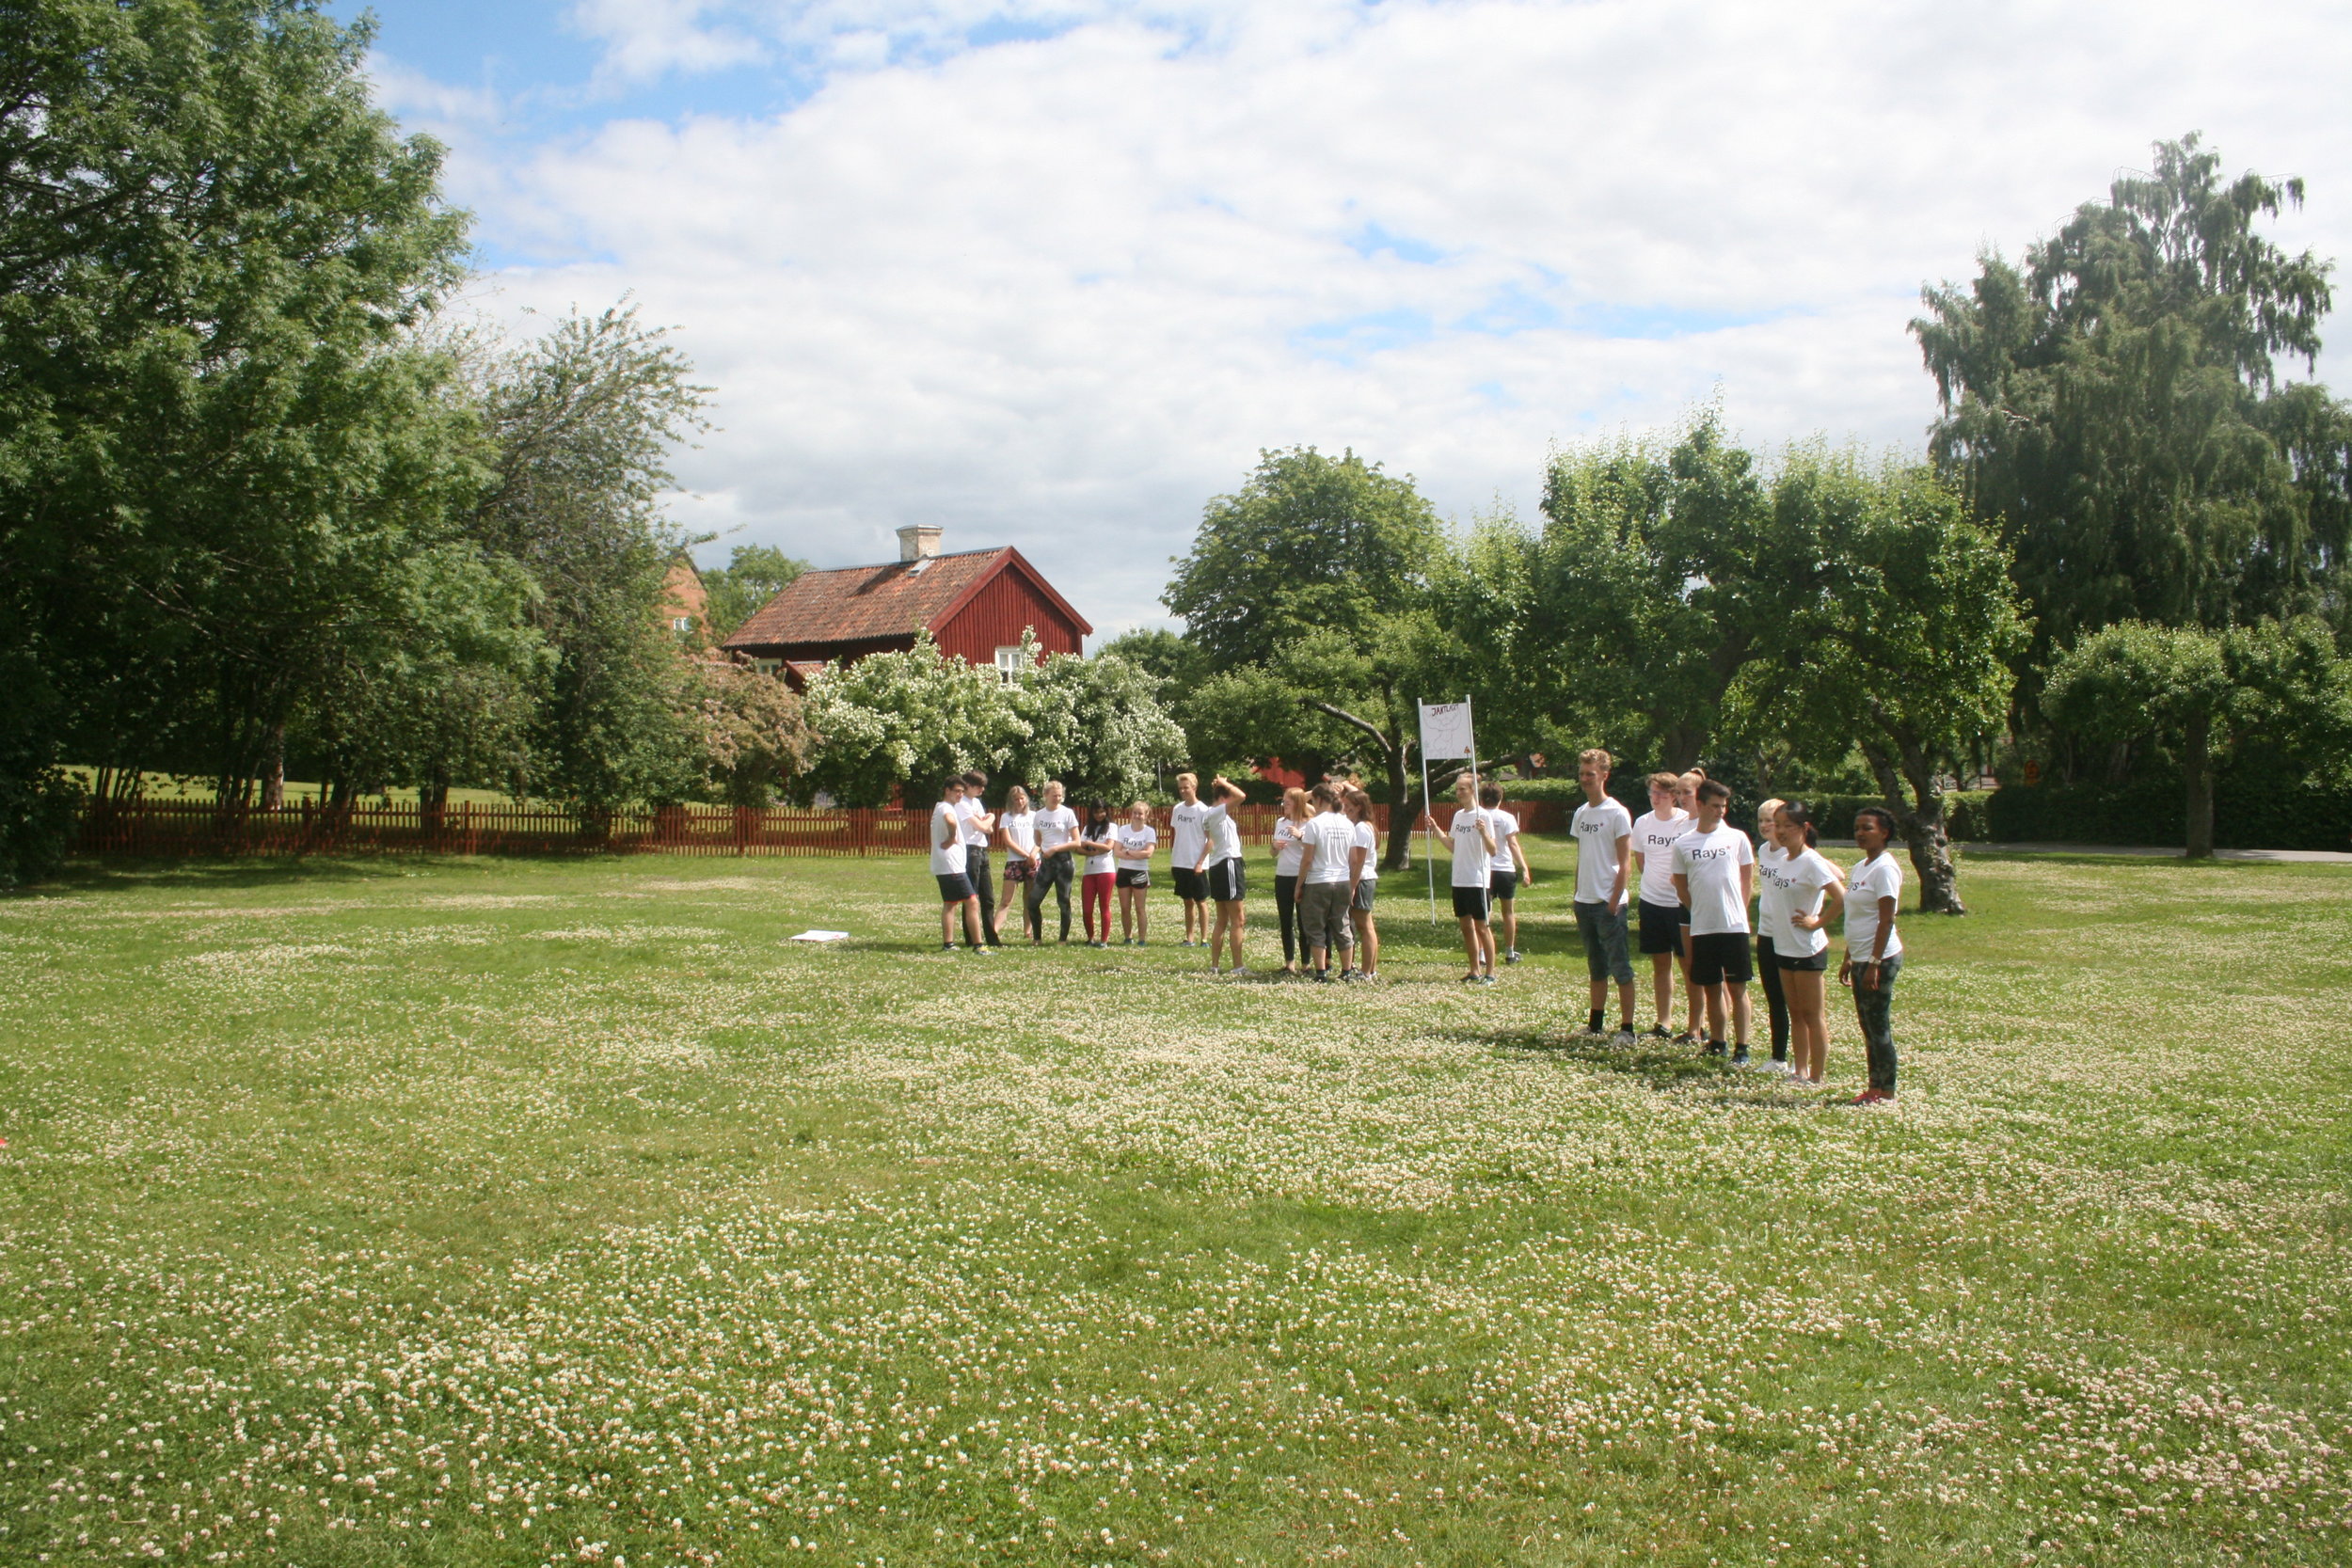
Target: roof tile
{"x": 856, "y": 604}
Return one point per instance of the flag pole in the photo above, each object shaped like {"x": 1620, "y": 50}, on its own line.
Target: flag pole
{"x": 1428, "y": 835}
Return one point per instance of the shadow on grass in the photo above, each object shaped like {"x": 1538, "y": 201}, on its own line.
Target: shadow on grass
{"x": 1659, "y": 1064}
{"x": 109, "y": 876}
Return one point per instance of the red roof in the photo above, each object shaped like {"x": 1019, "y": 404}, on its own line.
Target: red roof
{"x": 861, "y": 604}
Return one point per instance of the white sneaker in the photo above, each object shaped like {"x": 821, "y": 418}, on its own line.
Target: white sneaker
{"x": 1622, "y": 1039}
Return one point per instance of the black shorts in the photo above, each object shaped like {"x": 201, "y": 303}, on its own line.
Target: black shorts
{"x": 1191, "y": 886}
{"x": 1227, "y": 882}
{"x": 1816, "y": 961}
{"x": 1470, "y": 903}
{"x": 1662, "y": 926}
{"x": 1503, "y": 886}
{"x": 954, "y": 887}
{"x": 1134, "y": 876}
{"x": 1720, "y": 956}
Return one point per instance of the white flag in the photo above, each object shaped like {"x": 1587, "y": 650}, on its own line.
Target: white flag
{"x": 1445, "y": 730}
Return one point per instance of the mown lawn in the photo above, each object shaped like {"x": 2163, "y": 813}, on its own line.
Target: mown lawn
{"x": 520, "y": 1212}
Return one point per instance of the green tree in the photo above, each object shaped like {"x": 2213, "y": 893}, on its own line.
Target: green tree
{"x": 1313, "y": 581}
{"x": 739, "y": 590}
{"x": 581, "y": 420}
{"x": 2113, "y": 402}
{"x": 1877, "y": 613}
{"x": 1097, "y": 724}
{"x": 897, "y": 721}
{"x": 1642, "y": 582}
{"x": 753, "y": 731}
{"x": 217, "y": 447}
{"x": 2200, "y": 693}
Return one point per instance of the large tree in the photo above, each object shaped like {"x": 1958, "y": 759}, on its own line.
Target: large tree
{"x": 216, "y": 448}
{"x": 2113, "y": 401}
{"x": 1879, "y": 614}
{"x": 1310, "y": 588}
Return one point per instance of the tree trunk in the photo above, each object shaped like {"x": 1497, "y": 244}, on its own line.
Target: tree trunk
{"x": 1919, "y": 814}
{"x": 1401, "y": 818}
{"x": 1400, "y": 850}
{"x": 2196, "y": 768}
{"x": 433, "y": 799}
{"x": 274, "y": 782}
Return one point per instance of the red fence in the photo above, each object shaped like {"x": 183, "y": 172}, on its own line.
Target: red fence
{"x": 167, "y": 827}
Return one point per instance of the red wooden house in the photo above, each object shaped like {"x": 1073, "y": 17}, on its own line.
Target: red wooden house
{"x": 975, "y": 603}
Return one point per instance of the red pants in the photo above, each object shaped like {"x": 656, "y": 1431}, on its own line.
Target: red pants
{"x": 1097, "y": 890}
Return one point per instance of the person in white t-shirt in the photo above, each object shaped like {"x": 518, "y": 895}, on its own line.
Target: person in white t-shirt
{"x": 979, "y": 830}
{"x": 1289, "y": 853}
{"x": 1797, "y": 898}
{"x": 1769, "y": 855}
{"x": 947, "y": 866}
{"x": 1357, "y": 805}
{"x": 1473, "y": 837}
{"x": 1660, "y": 912}
{"x": 1604, "y": 831}
{"x": 1874, "y": 949}
{"x": 1511, "y": 870}
{"x": 1183, "y": 857}
{"x": 1332, "y": 863}
{"x": 1056, "y": 840}
{"x": 1222, "y": 872}
{"x": 1715, "y": 876}
{"x": 1018, "y": 823}
{"x": 1096, "y": 882}
{"x": 1136, "y": 838}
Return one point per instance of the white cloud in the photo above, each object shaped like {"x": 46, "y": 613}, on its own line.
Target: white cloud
{"x": 644, "y": 38}
{"x": 1060, "y": 291}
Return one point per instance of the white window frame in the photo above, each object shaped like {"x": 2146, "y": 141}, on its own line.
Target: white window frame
{"x": 1012, "y": 663}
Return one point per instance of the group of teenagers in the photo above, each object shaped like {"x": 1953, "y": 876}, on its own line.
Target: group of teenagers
{"x": 1675, "y": 883}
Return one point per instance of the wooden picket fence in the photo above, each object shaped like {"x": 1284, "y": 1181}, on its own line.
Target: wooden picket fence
{"x": 193, "y": 828}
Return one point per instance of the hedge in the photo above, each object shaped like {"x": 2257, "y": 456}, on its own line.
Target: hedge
{"x": 2249, "y": 813}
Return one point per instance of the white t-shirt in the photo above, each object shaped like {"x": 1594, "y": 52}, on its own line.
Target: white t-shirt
{"x": 1787, "y": 885}
{"x": 1020, "y": 829}
{"x": 947, "y": 860}
{"x": 1654, "y": 840}
{"x": 1184, "y": 826}
{"x": 1328, "y": 837}
{"x": 1290, "y": 845}
{"x": 1598, "y": 829}
{"x": 1873, "y": 879}
{"x": 1474, "y": 863}
{"x": 1222, "y": 835}
{"x": 1504, "y": 825}
{"x": 1055, "y": 827}
{"x": 1135, "y": 845}
{"x": 1368, "y": 840}
{"x": 974, "y": 837}
{"x": 1099, "y": 865}
{"x": 1711, "y": 863}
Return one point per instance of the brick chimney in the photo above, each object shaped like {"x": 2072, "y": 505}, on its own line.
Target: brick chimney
{"x": 918, "y": 542}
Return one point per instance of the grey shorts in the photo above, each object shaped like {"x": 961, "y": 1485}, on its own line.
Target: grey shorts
{"x": 1604, "y": 935}
{"x": 1322, "y": 915}
{"x": 1366, "y": 891}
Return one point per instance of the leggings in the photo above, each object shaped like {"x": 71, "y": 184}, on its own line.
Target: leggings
{"x": 1286, "y": 906}
{"x": 1053, "y": 872}
{"x": 1776, "y": 999}
{"x": 1097, "y": 890}
{"x": 1874, "y": 1010}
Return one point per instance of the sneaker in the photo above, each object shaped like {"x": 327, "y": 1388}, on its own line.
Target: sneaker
{"x": 1485, "y": 979}
{"x": 1873, "y": 1097}
{"x": 1240, "y": 974}
{"x": 1658, "y": 1032}
{"x": 1323, "y": 977}
{"x": 983, "y": 952}
{"x": 1738, "y": 1055}
{"x": 1714, "y": 1048}
{"x": 1688, "y": 1037}
{"x": 947, "y": 948}
{"x": 1512, "y": 957}
{"x": 1622, "y": 1039}
{"x": 1780, "y": 1065}
{"x": 1471, "y": 979}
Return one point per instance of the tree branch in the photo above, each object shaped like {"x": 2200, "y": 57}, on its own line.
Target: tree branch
{"x": 1344, "y": 717}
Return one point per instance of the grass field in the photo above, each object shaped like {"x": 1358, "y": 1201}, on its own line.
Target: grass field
{"x": 528, "y": 1212}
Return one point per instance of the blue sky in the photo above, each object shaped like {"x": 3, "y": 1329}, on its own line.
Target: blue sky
{"x": 1052, "y": 272}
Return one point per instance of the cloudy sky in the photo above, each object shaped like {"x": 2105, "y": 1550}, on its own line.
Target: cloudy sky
{"x": 1052, "y": 274}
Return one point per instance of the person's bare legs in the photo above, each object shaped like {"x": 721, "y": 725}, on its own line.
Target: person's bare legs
{"x": 1739, "y": 1011}
{"x": 1808, "y": 1031}
{"x": 1691, "y": 988}
{"x": 1714, "y": 1011}
{"x": 1367, "y": 943}
{"x": 1510, "y": 908}
{"x": 1662, "y": 984}
{"x": 1624, "y": 1006}
{"x": 1229, "y": 920}
{"x": 1481, "y": 959}
{"x": 947, "y": 924}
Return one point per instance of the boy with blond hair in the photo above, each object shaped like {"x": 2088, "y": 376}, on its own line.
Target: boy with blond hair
{"x": 1603, "y": 829}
